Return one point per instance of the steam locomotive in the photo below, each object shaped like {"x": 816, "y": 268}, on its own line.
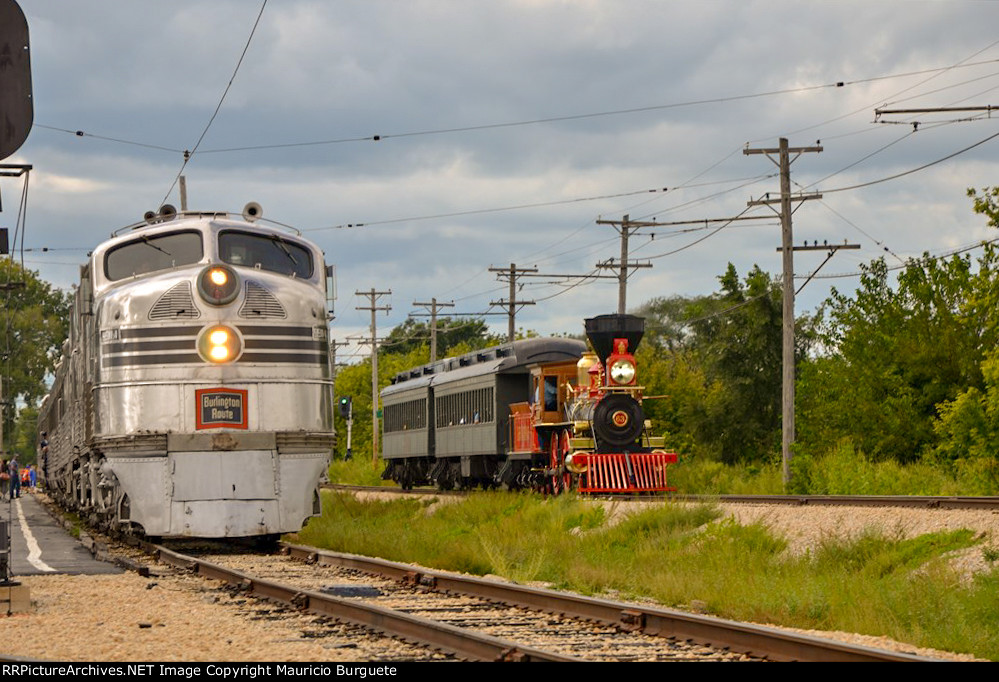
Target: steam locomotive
{"x": 537, "y": 413}
{"x": 194, "y": 396}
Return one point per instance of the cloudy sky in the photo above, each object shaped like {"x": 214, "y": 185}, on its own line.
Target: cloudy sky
{"x": 507, "y": 129}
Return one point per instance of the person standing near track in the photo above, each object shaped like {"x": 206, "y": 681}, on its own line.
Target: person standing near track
{"x": 15, "y": 478}
{"x": 44, "y": 448}
{"x": 4, "y": 479}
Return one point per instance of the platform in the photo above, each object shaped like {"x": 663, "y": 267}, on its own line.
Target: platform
{"x": 40, "y": 545}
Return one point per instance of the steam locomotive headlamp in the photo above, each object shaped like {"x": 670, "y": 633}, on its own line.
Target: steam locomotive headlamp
{"x": 576, "y": 462}
{"x": 219, "y": 344}
{"x": 622, "y": 372}
{"x": 218, "y": 284}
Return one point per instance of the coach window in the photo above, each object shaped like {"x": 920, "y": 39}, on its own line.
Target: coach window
{"x": 151, "y": 253}
{"x": 267, "y": 252}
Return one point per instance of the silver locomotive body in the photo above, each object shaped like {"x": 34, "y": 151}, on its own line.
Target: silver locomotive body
{"x": 195, "y": 393}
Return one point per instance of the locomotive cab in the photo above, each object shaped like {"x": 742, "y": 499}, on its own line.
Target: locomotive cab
{"x": 551, "y": 387}
{"x": 197, "y": 396}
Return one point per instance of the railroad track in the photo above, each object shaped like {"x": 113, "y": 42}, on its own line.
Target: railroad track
{"x": 916, "y": 501}
{"x": 478, "y": 619}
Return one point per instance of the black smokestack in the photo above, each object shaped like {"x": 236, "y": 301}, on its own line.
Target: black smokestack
{"x": 603, "y": 329}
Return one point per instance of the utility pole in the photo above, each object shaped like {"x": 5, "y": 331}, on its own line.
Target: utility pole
{"x": 512, "y": 272}
{"x": 787, "y": 360}
{"x": 373, "y": 297}
{"x": 333, "y": 346}
{"x": 625, "y": 226}
{"x": 433, "y": 307}
{"x": 988, "y": 109}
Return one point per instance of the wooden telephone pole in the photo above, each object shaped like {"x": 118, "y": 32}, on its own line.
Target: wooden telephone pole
{"x": 373, "y": 296}
{"x": 625, "y": 226}
{"x": 512, "y": 273}
{"x": 783, "y": 162}
{"x": 433, "y": 306}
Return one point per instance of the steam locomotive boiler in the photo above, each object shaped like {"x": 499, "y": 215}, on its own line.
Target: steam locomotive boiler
{"x": 538, "y": 413}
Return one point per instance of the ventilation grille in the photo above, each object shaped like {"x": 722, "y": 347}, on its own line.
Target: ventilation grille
{"x": 176, "y": 303}
{"x": 260, "y": 304}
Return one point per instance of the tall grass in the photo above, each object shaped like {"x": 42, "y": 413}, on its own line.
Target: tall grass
{"x": 843, "y": 470}
{"x": 357, "y": 471}
{"x": 680, "y": 555}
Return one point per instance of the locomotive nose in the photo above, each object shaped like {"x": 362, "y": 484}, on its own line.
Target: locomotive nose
{"x": 603, "y": 329}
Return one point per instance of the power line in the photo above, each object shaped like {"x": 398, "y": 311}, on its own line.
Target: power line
{"x": 218, "y": 107}
{"x": 935, "y": 72}
{"x": 81, "y": 133}
{"x": 536, "y": 121}
{"x": 946, "y": 254}
{"x": 914, "y": 170}
{"x": 487, "y": 210}
{"x": 599, "y": 114}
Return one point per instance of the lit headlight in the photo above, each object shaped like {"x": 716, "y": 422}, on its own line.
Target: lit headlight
{"x": 622, "y": 372}
{"x": 219, "y": 344}
{"x": 218, "y": 284}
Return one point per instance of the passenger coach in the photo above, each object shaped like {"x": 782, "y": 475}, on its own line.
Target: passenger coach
{"x": 449, "y": 422}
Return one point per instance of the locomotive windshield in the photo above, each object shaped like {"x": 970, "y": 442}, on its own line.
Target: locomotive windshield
{"x": 267, "y": 252}
{"x": 149, "y": 254}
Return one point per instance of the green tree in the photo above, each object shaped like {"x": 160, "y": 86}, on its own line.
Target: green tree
{"x": 406, "y": 346}
{"x": 738, "y": 338}
{"x": 666, "y": 321}
{"x": 472, "y": 334}
{"x": 986, "y": 203}
{"x": 895, "y": 353}
{"x": 34, "y": 327}
{"x": 718, "y": 358}
{"x": 24, "y": 435}
{"x": 355, "y": 381}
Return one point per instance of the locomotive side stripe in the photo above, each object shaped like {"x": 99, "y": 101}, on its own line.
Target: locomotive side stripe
{"x": 194, "y": 359}
{"x": 188, "y": 344}
{"x": 259, "y": 330}
{"x": 297, "y": 358}
{"x": 265, "y": 344}
{"x": 188, "y": 330}
{"x": 146, "y": 346}
{"x": 158, "y": 359}
{"x": 147, "y": 332}
{"x": 284, "y": 344}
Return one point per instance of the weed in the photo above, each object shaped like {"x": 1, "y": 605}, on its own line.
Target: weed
{"x": 878, "y": 584}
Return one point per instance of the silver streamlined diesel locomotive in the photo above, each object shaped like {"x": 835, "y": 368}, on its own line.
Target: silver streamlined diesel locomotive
{"x": 194, "y": 396}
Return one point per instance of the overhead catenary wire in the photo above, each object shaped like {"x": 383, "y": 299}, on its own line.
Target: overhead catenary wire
{"x": 188, "y": 155}
{"x": 913, "y": 170}
{"x": 911, "y": 260}
{"x": 934, "y": 74}
{"x": 549, "y": 119}
{"x": 600, "y": 114}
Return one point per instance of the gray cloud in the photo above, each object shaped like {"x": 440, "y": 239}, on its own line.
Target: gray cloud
{"x": 153, "y": 72}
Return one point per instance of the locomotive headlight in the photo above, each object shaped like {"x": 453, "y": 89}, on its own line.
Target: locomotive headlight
{"x": 218, "y": 284}
{"x": 219, "y": 344}
{"x": 218, "y": 277}
{"x": 622, "y": 372}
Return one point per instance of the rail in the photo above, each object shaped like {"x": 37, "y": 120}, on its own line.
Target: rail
{"x": 753, "y": 640}
{"x": 463, "y": 643}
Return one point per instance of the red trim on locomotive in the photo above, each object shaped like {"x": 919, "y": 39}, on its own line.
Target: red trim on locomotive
{"x": 640, "y": 470}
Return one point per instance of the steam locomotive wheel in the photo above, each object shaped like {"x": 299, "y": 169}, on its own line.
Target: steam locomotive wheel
{"x": 555, "y": 483}
{"x": 564, "y": 446}
{"x": 559, "y": 448}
